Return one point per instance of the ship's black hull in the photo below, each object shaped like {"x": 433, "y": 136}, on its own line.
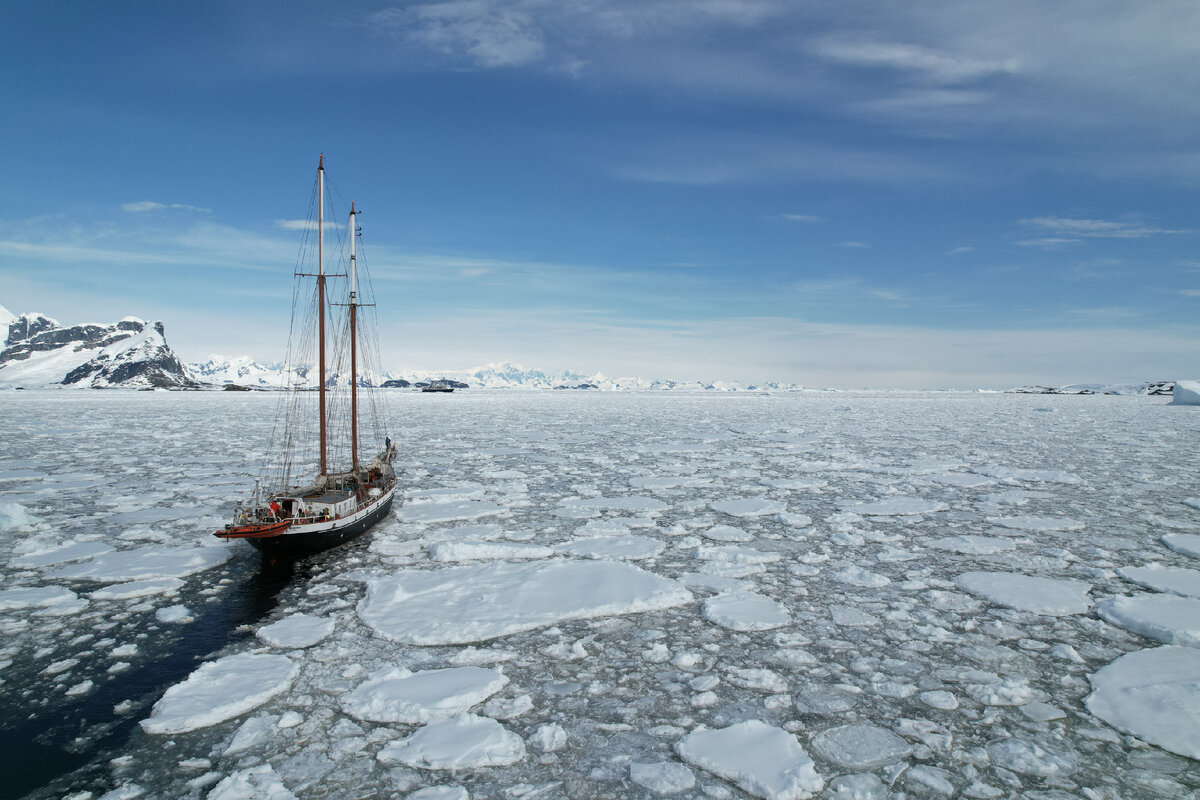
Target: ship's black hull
{"x": 298, "y": 545}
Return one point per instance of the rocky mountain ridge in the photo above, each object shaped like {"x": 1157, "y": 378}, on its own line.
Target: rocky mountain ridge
{"x": 37, "y": 351}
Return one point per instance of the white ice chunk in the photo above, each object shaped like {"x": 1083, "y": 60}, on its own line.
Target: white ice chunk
{"x": 1164, "y": 579}
{"x": 174, "y": 614}
{"x": 860, "y": 746}
{"x": 35, "y": 597}
{"x": 549, "y": 738}
{"x": 1165, "y": 617}
{"x": 296, "y": 631}
{"x": 135, "y": 589}
{"x": 1050, "y": 596}
{"x": 448, "y": 792}
{"x": 1153, "y": 695}
{"x": 486, "y": 551}
{"x": 857, "y": 576}
{"x": 633, "y": 548}
{"x": 14, "y": 517}
{"x": 220, "y": 690}
{"x": 158, "y": 561}
{"x": 464, "y": 742}
{"x": 763, "y": 760}
{"x": 749, "y": 507}
{"x": 394, "y": 694}
{"x": 897, "y": 507}
{"x": 745, "y": 611}
{"x": 1186, "y": 543}
{"x": 973, "y": 545}
{"x": 255, "y": 783}
{"x": 726, "y": 533}
{"x": 584, "y": 507}
{"x": 75, "y": 551}
{"x": 448, "y": 511}
{"x": 1032, "y": 475}
{"x": 662, "y": 778}
{"x": 1185, "y": 393}
{"x": 963, "y": 480}
{"x": 251, "y": 733}
{"x": 1030, "y": 523}
{"x": 1029, "y": 758}
{"x": 460, "y": 605}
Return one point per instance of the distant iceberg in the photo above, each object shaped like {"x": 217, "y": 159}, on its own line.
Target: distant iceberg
{"x": 1187, "y": 393}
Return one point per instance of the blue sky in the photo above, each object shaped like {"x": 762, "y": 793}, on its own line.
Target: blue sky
{"x": 924, "y": 194}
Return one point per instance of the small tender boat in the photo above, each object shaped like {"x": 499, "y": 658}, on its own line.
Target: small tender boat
{"x": 286, "y": 519}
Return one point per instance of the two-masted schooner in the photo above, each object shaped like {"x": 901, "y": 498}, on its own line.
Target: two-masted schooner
{"x": 288, "y": 517}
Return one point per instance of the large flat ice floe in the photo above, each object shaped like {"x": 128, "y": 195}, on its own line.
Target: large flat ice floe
{"x": 447, "y": 511}
{"x": 459, "y": 605}
{"x": 145, "y": 562}
{"x": 296, "y": 632}
{"x": 765, "y": 761}
{"x": 1051, "y": 596}
{"x": 464, "y": 742}
{"x": 1154, "y": 695}
{"x": 745, "y": 611}
{"x": 221, "y": 690}
{"x": 897, "y": 507}
{"x": 396, "y": 695}
{"x": 1176, "y": 580}
{"x": 1166, "y": 618}
{"x": 255, "y": 783}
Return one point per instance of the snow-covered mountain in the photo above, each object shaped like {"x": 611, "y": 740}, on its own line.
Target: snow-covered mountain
{"x": 1148, "y": 388}
{"x": 244, "y": 371}
{"x": 37, "y": 351}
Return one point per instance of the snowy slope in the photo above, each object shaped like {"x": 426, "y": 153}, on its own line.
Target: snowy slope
{"x": 132, "y": 353}
{"x": 244, "y": 371}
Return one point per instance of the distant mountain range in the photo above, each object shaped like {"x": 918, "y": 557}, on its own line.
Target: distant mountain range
{"x": 38, "y": 352}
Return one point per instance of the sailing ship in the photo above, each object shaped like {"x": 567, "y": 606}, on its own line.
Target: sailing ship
{"x": 287, "y": 517}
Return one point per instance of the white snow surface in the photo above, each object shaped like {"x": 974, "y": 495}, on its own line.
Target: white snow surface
{"x": 459, "y": 605}
{"x": 1186, "y": 543}
{"x": 157, "y": 561}
{"x": 1187, "y": 393}
{"x": 1177, "y": 580}
{"x": 1166, "y": 618}
{"x": 763, "y": 760}
{"x": 296, "y": 631}
{"x": 1154, "y": 695}
{"x": 897, "y": 507}
{"x": 396, "y": 695}
{"x": 221, "y": 690}
{"x": 745, "y": 611}
{"x": 463, "y": 742}
{"x": 253, "y": 783}
{"x": 1050, "y": 596}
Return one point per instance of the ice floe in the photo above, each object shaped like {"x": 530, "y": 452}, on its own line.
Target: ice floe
{"x": 633, "y": 548}
{"x": 1154, "y": 695}
{"x": 763, "y": 760}
{"x": 1026, "y": 522}
{"x": 1164, "y": 617}
{"x": 144, "y": 563}
{"x": 35, "y": 597}
{"x": 253, "y": 783}
{"x": 135, "y": 589}
{"x": 74, "y": 551}
{"x": 897, "y": 507}
{"x": 460, "y": 605}
{"x": 748, "y": 507}
{"x": 662, "y": 777}
{"x": 395, "y": 694}
{"x": 860, "y": 746}
{"x": 486, "y": 551}
{"x": 221, "y": 690}
{"x": 745, "y": 611}
{"x": 1186, "y": 543}
{"x": 447, "y": 511}
{"x": 972, "y": 545}
{"x": 296, "y": 631}
{"x": 1176, "y": 580}
{"x": 1050, "y": 596}
{"x": 462, "y": 742}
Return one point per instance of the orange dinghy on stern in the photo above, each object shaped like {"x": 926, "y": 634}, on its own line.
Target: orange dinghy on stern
{"x": 258, "y": 531}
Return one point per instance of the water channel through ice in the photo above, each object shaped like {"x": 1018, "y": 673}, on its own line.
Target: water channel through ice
{"x": 610, "y": 595}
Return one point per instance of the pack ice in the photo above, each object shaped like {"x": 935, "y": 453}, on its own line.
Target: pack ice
{"x": 459, "y": 605}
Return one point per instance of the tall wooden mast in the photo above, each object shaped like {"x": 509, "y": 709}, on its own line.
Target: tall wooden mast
{"x": 321, "y": 300}
{"x": 353, "y": 342}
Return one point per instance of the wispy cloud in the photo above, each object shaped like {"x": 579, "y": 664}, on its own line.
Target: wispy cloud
{"x": 939, "y": 66}
{"x": 487, "y": 34}
{"x": 957, "y": 251}
{"x": 1190, "y": 292}
{"x": 143, "y": 206}
{"x": 805, "y": 218}
{"x": 303, "y": 225}
{"x": 1099, "y": 228}
{"x": 854, "y": 244}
